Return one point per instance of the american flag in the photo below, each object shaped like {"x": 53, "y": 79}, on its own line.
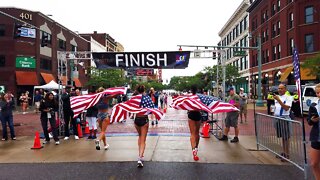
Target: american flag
{"x": 202, "y": 102}
{"x": 141, "y": 104}
{"x": 296, "y": 69}
{"x": 80, "y": 103}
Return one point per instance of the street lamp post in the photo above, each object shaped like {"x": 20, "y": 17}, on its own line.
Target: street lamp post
{"x": 259, "y": 101}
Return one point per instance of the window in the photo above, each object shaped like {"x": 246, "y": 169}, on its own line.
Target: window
{"x": 274, "y": 54}
{"x": 61, "y": 44}
{"x": 273, "y": 11}
{"x": 49, "y": 41}
{"x": 278, "y": 8}
{"x": 291, "y": 46}
{"x": 267, "y": 34}
{"x": 237, "y": 31}
{"x": 264, "y": 37}
{"x": 309, "y": 43}
{"x": 245, "y": 23}
{"x": 274, "y": 30}
{"x": 279, "y": 51}
{"x": 267, "y": 55}
{"x": 73, "y": 48}
{"x": 241, "y": 26}
{"x": 263, "y": 57}
{"x": 290, "y": 23}
{"x": 266, "y": 15}
{"x": 278, "y": 30}
{"x": 310, "y": 92}
{"x": 2, "y": 30}
{"x": 45, "y": 64}
{"x": 309, "y": 14}
{"x": 2, "y": 61}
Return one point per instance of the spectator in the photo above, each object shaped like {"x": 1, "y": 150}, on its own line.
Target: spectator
{"x": 161, "y": 97}
{"x": 48, "y": 107}
{"x": 91, "y": 118}
{"x": 232, "y": 117}
{"x": 68, "y": 116}
{"x": 165, "y": 100}
{"x": 37, "y": 99}
{"x": 154, "y": 97}
{"x": 283, "y": 104}
{"x": 313, "y": 120}
{"x": 23, "y": 102}
{"x": 6, "y": 116}
{"x": 243, "y": 105}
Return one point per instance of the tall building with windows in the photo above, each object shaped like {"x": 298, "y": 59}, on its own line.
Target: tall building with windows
{"x": 28, "y": 54}
{"x": 235, "y": 33}
{"x": 282, "y": 25}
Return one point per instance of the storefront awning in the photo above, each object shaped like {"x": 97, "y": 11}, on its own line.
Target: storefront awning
{"x": 47, "y": 77}
{"x": 305, "y": 74}
{"x": 285, "y": 74}
{"x": 77, "y": 82}
{"x": 27, "y": 78}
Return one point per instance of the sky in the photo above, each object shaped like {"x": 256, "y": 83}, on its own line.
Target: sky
{"x": 143, "y": 25}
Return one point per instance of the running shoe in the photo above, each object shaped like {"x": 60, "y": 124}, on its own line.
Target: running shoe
{"x": 106, "y": 147}
{"x": 195, "y": 154}
{"x": 97, "y": 142}
{"x": 140, "y": 163}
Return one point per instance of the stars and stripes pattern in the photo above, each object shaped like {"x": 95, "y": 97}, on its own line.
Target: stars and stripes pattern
{"x": 80, "y": 103}
{"x": 202, "y": 102}
{"x": 139, "y": 104}
{"x": 296, "y": 70}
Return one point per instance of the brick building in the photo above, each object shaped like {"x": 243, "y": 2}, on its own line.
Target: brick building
{"x": 281, "y": 26}
{"x": 24, "y": 62}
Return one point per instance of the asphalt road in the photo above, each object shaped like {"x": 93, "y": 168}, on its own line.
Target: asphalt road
{"x": 152, "y": 170}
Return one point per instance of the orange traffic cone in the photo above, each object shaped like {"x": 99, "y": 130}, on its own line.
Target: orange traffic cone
{"x": 205, "y": 130}
{"x": 37, "y": 144}
{"x": 79, "y": 131}
{"x": 86, "y": 130}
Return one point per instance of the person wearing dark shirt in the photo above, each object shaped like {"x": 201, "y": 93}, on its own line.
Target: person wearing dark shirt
{"x": 6, "y": 107}
{"x": 48, "y": 107}
{"x": 68, "y": 116}
{"x": 155, "y": 98}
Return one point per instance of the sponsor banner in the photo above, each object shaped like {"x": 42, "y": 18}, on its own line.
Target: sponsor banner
{"x": 25, "y": 62}
{"x": 28, "y": 32}
{"x": 144, "y": 72}
{"x": 164, "y": 60}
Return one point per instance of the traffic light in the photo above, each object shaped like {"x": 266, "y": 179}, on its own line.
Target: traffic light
{"x": 17, "y": 30}
{"x": 44, "y": 40}
{"x": 214, "y": 55}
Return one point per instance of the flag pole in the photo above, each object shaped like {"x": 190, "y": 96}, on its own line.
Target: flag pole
{"x": 297, "y": 77}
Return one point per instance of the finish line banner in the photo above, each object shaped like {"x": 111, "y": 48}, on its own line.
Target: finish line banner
{"x": 164, "y": 60}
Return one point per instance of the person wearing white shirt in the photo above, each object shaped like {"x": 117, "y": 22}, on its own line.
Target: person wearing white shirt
{"x": 313, "y": 120}
{"x": 283, "y": 104}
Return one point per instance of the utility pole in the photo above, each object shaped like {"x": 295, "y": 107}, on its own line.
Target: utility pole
{"x": 259, "y": 101}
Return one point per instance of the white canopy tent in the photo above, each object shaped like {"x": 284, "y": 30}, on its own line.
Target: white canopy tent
{"x": 51, "y": 85}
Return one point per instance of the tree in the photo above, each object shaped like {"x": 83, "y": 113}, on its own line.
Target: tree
{"x": 106, "y": 78}
{"x": 313, "y": 64}
{"x": 232, "y": 75}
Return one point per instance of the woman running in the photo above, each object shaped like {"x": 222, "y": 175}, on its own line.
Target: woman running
{"x": 194, "y": 121}
{"x": 103, "y": 119}
{"x": 141, "y": 123}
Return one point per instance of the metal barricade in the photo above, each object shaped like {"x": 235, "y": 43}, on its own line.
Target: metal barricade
{"x": 216, "y": 122}
{"x": 283, "y": 137}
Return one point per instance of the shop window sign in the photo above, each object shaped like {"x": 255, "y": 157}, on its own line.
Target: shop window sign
{"x": 25, "y": 62}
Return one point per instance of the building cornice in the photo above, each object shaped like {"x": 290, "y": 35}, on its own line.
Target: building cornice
{"x": 235, "y": 16}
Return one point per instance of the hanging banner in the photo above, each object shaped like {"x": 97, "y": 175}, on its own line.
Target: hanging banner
{"x": 164, "y": 60}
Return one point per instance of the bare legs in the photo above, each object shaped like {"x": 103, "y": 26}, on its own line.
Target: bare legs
{"x": 103, "y": 125}
{"x": 142, "y": 131}
{"x": 314, "y": 162}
